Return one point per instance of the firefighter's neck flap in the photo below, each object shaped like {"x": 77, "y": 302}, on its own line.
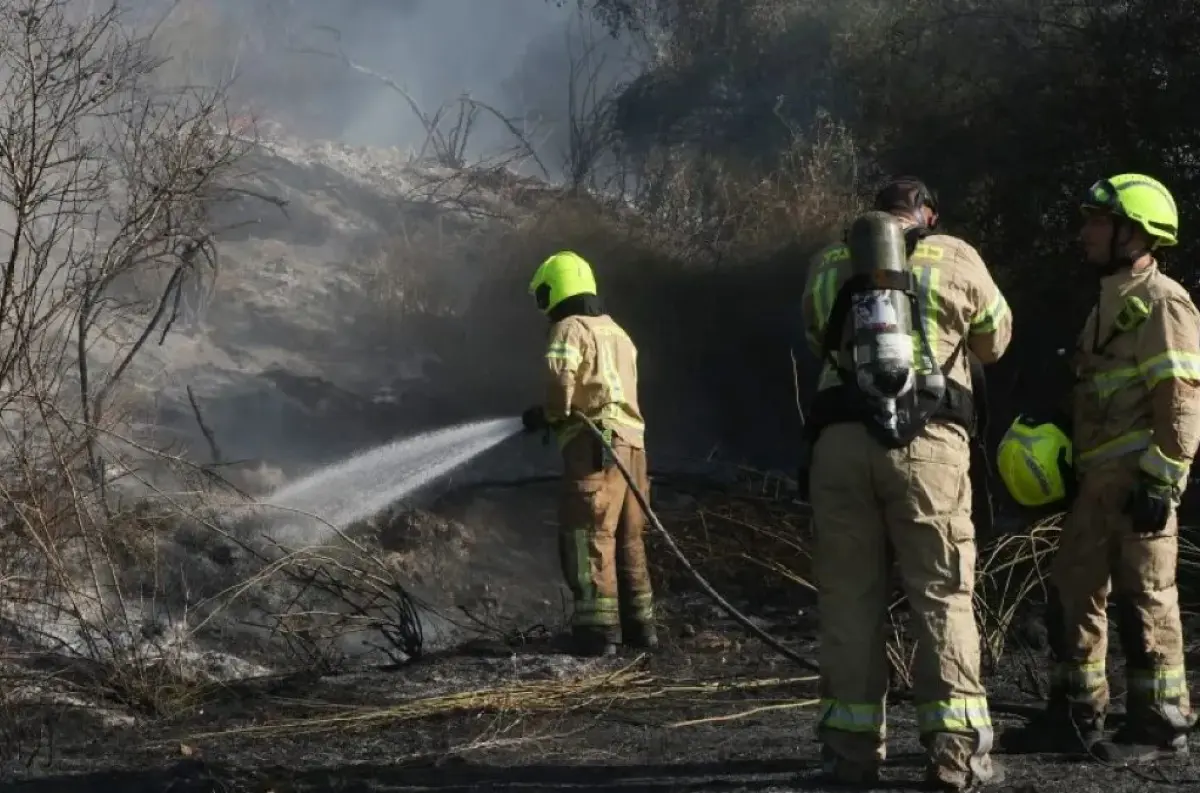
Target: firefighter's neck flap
{"x": 577, "y": 306}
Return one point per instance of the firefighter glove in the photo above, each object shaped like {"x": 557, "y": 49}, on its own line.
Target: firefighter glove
{"x": 1149, "y": 505}
{"x": 534, "y": 419}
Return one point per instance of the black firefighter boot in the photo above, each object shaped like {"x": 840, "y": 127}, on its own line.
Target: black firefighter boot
{"x": 639, "y": 635}
{"x": 1151, "y": 730}
{"x": 1064, "y": 727}
{"x": 1056, "y": 730}
{"x": 595, "y": 642}
{"x": 1156, "y": 725}
{"x": 1140, "y": 741}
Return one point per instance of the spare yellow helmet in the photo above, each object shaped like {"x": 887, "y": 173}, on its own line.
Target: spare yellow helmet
{"x": 1028, "y": 459}
{"x": 564, "y": 275}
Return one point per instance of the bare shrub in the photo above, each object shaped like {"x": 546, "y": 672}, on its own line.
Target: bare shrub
{"x": 106, "y": 177}
{"x": 590, "y": 107}
{"x": 369, "y": 602}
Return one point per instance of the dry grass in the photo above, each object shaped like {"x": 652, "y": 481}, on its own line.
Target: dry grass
{"x": 595, "y": 692}
{"x": 755, "y": 539}
{"x": 751, "y": 538}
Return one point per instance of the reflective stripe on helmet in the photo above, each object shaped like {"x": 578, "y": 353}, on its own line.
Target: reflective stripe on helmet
{"x": 1028, "y": 462}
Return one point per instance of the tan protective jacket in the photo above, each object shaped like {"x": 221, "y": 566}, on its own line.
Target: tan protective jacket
{"x": 592, "y": 366}
{"x": 956, "y": 294}
{"x": 1136, "y": 389}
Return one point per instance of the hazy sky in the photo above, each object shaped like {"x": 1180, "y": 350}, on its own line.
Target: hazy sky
{"x": 512, "y": 54}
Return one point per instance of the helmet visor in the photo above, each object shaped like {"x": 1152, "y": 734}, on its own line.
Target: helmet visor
{"x": 1102, "y": 196}
{"x": 542, "y": 296}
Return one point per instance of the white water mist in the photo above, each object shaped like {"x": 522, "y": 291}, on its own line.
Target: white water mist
{"x": 364, "y": 485}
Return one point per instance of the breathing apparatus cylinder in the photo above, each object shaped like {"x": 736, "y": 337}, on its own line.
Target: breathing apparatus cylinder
{"x": 881, "y": 318}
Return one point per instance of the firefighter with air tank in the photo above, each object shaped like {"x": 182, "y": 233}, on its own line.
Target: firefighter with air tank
{"x": 895, "y": 313}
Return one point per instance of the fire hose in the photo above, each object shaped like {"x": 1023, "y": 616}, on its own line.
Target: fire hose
{"x": 707, "y": 588}
{"x": 1011, "y": 708}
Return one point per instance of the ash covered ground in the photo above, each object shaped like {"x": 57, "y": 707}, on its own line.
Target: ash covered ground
{"x": 373, "y": 297}
{"x": 502, "y": 709}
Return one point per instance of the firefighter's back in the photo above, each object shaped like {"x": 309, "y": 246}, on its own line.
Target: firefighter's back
{"x": 960, "y": 310}
{"x": 606, "y": 388}
{"x": 876, "y": 505}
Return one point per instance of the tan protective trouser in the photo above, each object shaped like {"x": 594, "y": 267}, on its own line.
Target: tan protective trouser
{"x": 917, "y": 500}
{"x": 602, "y": 537}
{"x": 1099, "y": 552}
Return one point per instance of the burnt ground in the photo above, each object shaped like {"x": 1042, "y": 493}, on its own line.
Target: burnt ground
{"x": 346, "y": 733}
{"x": 713, "y": 711}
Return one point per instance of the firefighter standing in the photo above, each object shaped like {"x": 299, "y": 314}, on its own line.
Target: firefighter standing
{"x": 591, "y": 366}
{"x": 1136, "y": 424}
{"x": 872, "y": 501}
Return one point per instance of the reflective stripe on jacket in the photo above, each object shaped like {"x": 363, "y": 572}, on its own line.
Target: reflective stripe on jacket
{"x": 956, "y": 296}
{"x": 1135, "y": 381}
{"x": 592, "y": 366}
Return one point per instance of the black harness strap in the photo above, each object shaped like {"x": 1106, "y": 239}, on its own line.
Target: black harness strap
{"x": 845, "y": 403}
{"x": 834, "y": 325}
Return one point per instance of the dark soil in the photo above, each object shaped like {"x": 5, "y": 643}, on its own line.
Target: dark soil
{"x": 604, "y": 745}
{"x": 261, "y": 736}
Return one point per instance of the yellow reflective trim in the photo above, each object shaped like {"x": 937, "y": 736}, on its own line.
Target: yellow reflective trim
{"x": 1163, "y": 468}
{"x": 608, "y": 365}
{"x": 641, "y": 607}
{"x": 615, "y": 413}
{"x": 829, "y": 378}
{"x": 927, "y": 298}
{"x": 851, "y": 717}
{"x": 824, "y": 295}
{"x": 989, "y": 318}
{"x": 1082, "y": 678}
{"x": 1170, "y": 365}
{"x": 1130, "y": 442}
{"x": 829, "y": 289}
{"x": 1132, "y": 314}
{"x": 928, "y": 251}
{"x": 1111, "y": 381}
{"x": 612, "y": 413}
{"x": 562, "y": 351}
{"x": 1167, "y": 683}
{"x": 1026, "y": 439}
{"x": 925, "y": 279}
{"x": 954, "y": 715}
{"x": 566, "y": 431}
{"x": 596, "y": 612}
{"x": 840, "y": 253}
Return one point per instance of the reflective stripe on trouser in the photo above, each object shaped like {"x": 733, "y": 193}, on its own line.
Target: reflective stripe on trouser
{"x": 603, "y": 537}
{"x": 1080, "y": 685}
{"x": 1098, "y": 554}
{"x": 918, "y": 501}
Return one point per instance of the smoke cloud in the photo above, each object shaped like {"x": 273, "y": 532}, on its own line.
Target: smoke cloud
{"x": 515, "y": 56}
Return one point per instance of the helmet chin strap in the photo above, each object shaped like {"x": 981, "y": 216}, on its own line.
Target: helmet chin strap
{"x": 1117, "y": 260}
